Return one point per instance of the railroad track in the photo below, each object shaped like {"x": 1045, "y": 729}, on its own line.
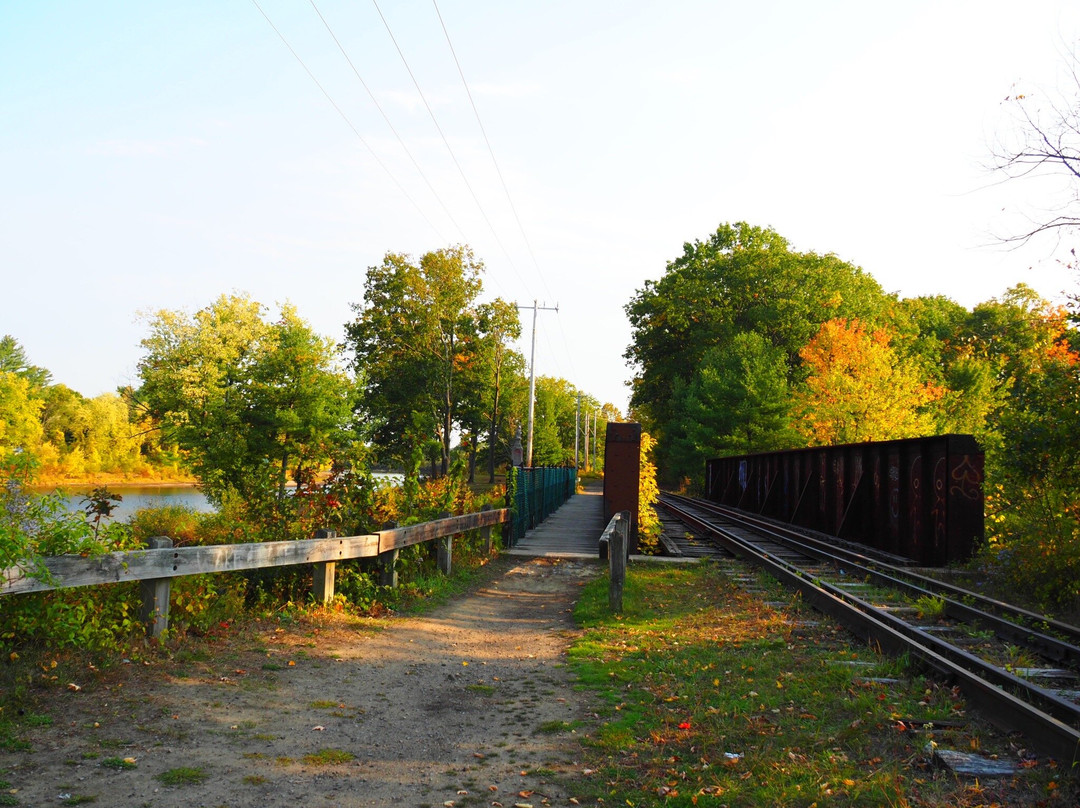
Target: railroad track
{"x": 993, "y": 650}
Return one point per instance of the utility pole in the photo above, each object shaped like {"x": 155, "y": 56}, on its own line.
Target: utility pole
{"x": 596, "y": 440}
{"x": 577, "y": 431}
{"x": 586, "y": 441}
{"x": 532, "y": 374}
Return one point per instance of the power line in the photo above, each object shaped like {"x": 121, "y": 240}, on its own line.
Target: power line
{"x": 446, "y": 143}
{"x": 491, "y": 151}
{"x": 348, "y": 122}
{"x": 502, "y": 180}
{"x": 378, "y": 106}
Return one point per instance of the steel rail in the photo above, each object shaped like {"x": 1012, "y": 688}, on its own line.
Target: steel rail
{"x": 1045, "y": 731}
{"x": 958, "y": 601}
{"x": 1046, "y": 644}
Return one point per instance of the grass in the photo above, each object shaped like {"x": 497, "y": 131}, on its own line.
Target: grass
{"x": 183, "y": 776}
{"x": 929, "y": 607}
{"x": 120, "y": 764}
{"x": 707, "y": 696}
{"x": 329, "y": 757}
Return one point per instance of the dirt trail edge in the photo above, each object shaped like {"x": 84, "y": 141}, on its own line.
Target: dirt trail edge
{"x": 470, "y": 704}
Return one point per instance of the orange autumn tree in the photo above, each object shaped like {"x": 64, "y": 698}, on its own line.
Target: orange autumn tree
{"x": 859, "y": 389}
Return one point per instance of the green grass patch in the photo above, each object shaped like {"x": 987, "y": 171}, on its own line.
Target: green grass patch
{"x": 324, "y": 705}
{"x": 118, "y": 763}
{"x": 254, "y": 779}
{"x": 10, "y": 740}
{"x": 707, "y": 696}
{"x": 183, "y": 776}
{"x": 329, "y": 757}
{"x": 8, "y": 799}
{"x": 483, "y": 690}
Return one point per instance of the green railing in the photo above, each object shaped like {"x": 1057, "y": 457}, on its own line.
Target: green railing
{"x": 535, "y": 493}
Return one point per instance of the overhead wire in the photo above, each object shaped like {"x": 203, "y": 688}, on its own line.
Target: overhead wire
{"x": 491, "y": 151}
{"x": 348, "y": 122}
{"x": 498, "y": 170}
{"x": 449, "y": 149}
{"x": 386, "y": 118}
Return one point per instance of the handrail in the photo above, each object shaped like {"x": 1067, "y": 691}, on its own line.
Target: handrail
{"x": 157, "y": 565}
{"x": 68, "y": 571}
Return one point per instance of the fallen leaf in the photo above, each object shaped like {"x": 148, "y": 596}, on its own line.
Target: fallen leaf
{"x": 318, "y": 728}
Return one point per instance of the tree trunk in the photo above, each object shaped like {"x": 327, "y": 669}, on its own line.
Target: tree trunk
{"x": 494, "y": 430}
{"x": 473, "y": 443}
{"x": 448, "y": 408}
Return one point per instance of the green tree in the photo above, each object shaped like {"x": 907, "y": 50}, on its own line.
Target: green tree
{"x": 244, "y": 398}
{"x": 407, "y": 341}
{"x": 555, "y": 419}
{"x": 741, "y": 279}
{"x": 492, "y": 381}
{"x": 13, "y": 359}
{"x": 738, "y": 402}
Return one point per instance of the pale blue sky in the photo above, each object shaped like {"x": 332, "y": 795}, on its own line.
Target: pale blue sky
{"x": 158, "y": 155}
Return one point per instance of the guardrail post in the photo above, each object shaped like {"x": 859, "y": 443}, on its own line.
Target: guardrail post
{"x": 154, "y": 609}
{"x": 444, "y": 549}
{"x": 617, "y": 561}
{"x": 323, "y": 573}
{"x": 485, "y": 532}
{"x": 388, "y": 563}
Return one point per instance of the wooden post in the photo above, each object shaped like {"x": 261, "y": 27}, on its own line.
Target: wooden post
{"x": 444, "y": 549}
{"x": 485, "y": 532}
{"x": 388, "y": 563}
{"x": 617, "y": 561}
{"x": 323, "y": 573}
{"x": 154, "y": 610}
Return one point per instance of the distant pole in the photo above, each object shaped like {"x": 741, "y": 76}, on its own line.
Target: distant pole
{"x": 532, "y": 376}
{"x": 596, "y": 440}
{"x": 577, "y": 431}
{"x": 586, "y": 441}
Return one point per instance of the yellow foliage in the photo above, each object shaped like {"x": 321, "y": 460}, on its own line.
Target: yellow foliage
{"x": 648, "y": 494}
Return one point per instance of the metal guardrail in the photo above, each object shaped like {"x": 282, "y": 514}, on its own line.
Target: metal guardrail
{"x": 537, "y": 493}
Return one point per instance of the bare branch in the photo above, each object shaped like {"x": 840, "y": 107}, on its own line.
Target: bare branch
{"x": 1047, "y": 143}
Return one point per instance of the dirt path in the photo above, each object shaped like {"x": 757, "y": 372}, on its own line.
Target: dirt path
{"x": 464, "y": 705}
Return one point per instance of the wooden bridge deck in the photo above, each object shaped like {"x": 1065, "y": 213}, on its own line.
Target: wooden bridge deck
{"x": 573, "y": 531}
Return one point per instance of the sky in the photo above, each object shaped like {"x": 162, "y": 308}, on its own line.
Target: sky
{"x": 158, "y": 155}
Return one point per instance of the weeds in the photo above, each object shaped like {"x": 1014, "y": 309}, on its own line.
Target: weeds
{"x": 328, "y": 757}
{"x": 183, "y": 776}
{"x": 702, "y": 691}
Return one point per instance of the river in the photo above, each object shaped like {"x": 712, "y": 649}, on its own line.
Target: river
{"x": 137, "y": 497}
